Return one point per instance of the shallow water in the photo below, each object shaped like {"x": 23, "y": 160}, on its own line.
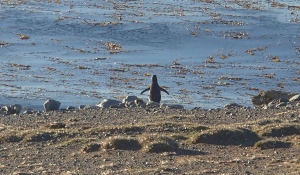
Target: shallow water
{"x": 205, "y": 54}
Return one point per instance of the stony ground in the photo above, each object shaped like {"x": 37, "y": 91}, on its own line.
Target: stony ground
{"x": 152, "y": 141}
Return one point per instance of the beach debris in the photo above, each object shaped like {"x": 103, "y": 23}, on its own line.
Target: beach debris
{"x": 51, "y": 105}
{"x": 23, "y": 37}
{"x": 3, "y": 43}
{"x": 275, "y": 59}
{"x": 265, "y": 97}
{"x": 112, "y": 47}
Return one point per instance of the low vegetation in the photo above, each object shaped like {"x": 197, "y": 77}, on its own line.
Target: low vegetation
{"x": 162, "y": 136}
{"x": 122, "y": 143}
{"x": 227, "y": 136}
{"x": 269, "y": 144}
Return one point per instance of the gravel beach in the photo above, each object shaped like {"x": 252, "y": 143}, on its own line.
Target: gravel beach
{"x": 238, "y": 140}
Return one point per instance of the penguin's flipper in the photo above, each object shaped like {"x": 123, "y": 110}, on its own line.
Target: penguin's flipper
{"x": 145, "y": 90}
{"x": 162, "y": 89}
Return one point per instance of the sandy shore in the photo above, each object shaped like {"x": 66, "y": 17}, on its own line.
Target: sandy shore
{"x": 152, "y": 141}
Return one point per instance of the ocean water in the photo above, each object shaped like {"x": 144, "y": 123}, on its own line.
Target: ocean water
{"x": 205, "y": 53}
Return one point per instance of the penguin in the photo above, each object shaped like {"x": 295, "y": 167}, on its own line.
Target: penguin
{"x": 155, "y": 89}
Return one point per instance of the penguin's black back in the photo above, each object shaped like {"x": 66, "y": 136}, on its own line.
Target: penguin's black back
{"x": 155, "y": 94}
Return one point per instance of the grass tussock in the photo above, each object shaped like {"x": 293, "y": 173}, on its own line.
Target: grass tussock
{"x": 280, "y": 130}
{"x": 227, "y": 136}
{"x": 264, "y": 122}
{"x": 11, "y": 136}
{"x": 43, "y": 135}
{"x": 74, "y": 142}
{"x": 174, "y": 127}
{"x": 158, "y": 144}
{"x": 91, "y": 147}
{"x": 270, "y": 144}
{"x": 122, "y": 143}
{"x": 127, "y": 129}
{"x": 179, "y": 137}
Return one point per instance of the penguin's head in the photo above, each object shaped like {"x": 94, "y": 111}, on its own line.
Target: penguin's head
{"x": 154, "y": 79}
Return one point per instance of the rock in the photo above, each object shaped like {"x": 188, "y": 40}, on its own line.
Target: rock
{"x": 129, "y": 99}
{"x": 140, "y": 103}
{"x": 283, "y": 100}
{"x": 152, "y": 104}
{"x": 270, "y": 95}
{"x": 130, "y": 104}
{"x": 295, "y": 98}
{"x": 232, "y": 105}
{"x": 171, "y": 106}
{"x": 271, "y": 105}
{"x": 81, "y": 107}
{"x": 51, "y": 105}
{"x": 70, "y": 108}
{"x": 281, "y": 104}
{"x": 106, "y": 103}
{"x": 16, "y": 108}
{"x": 6, "y": 110}
{"x": 28, "y": 112}
{"x": 119, "y": 105}
{"x": 11, "y": 109}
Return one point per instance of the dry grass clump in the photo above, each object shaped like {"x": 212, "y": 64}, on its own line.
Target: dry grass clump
{"x": 11, "y": 136}
{"x": 126, "y": 129}
{"x": 269, "y": 144}
{"x": 175, "y": 127}
{"x": 91, "y": 147}
{"x": 122, "y": 143}
{"x": 227, "y": 136}
{"x": 280, "y": 131}
{"x": 264, "y": 122}
{"x": 178, "y": 137}
{"x": 55, "y": 125}
{"x": 158, "y": 144}
{"x": 74, "y": 142}
{"x": 43, "y": 135}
